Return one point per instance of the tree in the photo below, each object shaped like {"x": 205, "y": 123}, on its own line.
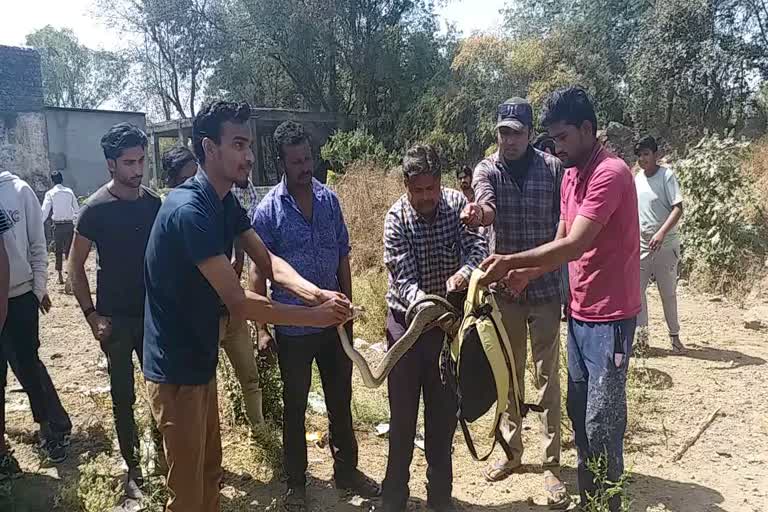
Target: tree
{"x": 74, "y": 75}
{"x": 175, "y": 51}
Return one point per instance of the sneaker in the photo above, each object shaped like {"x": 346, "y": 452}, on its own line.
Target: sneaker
{"x": 677, "y": 345}
{"x": 134, "y": 481}
{"x": 360, "y": 484}
{"x": 9, "y": 467}
{"x": 54, "y": 451}
{"x": 295, "y": 499}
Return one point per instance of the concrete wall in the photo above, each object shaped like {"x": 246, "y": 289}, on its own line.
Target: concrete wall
{"x": 73, "y": 144}
{"x": 23, "y": 144}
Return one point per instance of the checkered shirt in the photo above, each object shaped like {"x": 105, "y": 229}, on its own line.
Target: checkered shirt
{"x": 248, "y": 197}
{"x": 421, "y": 256}
{"x": 525, "y": 218}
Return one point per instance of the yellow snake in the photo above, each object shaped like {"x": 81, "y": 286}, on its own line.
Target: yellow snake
{"x": 424, "y": 314}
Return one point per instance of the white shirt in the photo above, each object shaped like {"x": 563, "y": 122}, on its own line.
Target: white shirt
{"x": 62, "y": 201}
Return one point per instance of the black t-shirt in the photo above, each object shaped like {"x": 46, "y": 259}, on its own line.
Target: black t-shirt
{"x": 120, "y": 229}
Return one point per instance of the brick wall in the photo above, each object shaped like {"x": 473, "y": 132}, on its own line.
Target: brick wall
{"x": 21, "y": 83}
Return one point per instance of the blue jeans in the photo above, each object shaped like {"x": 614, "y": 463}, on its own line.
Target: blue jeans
{"x": 597, "y": 398}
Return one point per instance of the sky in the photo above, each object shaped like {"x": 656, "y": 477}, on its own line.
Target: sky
{"x": 19, "y": 18}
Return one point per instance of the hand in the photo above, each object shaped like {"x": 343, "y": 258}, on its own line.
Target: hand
{"x": 323, "y": 296}
{"x": 472, "y": 215}
{"x": 266, "y": 344}
{"x": 45, "y": 304}
{"x": 515, "y": 282}
{"x": 331, "y": 312}
{"x": 656, "y": 241}
{"x": 100, "y": 325}
{"x": 495, "y": 267}
{"x": 456, "y": 282}
{"x": 237, "y": 265}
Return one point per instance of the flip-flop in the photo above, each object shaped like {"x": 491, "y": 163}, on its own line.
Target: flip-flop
{"x": 557, "y": 496}
{"x": 499, "y": 471}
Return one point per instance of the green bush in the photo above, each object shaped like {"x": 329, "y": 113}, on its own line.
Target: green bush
{"x": 720, "y": 237}
{"x": 345, "y": 148}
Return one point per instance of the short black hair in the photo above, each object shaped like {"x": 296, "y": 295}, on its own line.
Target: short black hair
{"x": 174, "y": 161}
{"x": 543, "y": 142}
{"x": 289, "y": 133}
{"x": 421, "y": 159}
{"x": 464, "y": 170}
{"x": 209, "y": 120}
{"x": 120, "y": 137}
{"x": 646, "y": 142}
{"x": 57, "y": 178}
{"x": 571, "y": 105}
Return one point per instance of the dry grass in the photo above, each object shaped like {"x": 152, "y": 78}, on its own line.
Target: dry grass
{"x": 366, "y": 194}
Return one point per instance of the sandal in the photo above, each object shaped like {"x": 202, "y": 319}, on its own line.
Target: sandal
{"x": 500, "y": 470}
{"x": 557, "y": 495}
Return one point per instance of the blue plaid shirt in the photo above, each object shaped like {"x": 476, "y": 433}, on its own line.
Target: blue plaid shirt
{"x": 525, "y": 218}
{"x": 313, "y": 249}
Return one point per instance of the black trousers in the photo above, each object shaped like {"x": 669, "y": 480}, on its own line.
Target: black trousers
{"x": 62, "y": 238}
{"x": 20, "y": 341}
{"x": 417, "y": 372}
{"x": 296, "y": 354}
{"x": 127, "y": 337}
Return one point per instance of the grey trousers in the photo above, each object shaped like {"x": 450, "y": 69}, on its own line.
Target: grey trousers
{"x": 662, "y": 265}
{"x": 543, "y": 322}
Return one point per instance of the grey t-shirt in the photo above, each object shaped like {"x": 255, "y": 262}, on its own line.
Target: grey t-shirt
{"x": 656, "y": 196}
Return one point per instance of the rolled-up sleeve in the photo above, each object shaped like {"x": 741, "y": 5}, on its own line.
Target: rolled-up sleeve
{"x": 485, "y": 193}
{"x": 474, "y": 249}
{"x": 400, "y": 261}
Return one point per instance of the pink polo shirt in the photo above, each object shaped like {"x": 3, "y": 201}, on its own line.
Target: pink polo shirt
{"x": 605, "y": 280}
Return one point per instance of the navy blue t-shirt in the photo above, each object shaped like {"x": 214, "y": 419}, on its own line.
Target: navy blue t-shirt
{"x": 182, "y": 310}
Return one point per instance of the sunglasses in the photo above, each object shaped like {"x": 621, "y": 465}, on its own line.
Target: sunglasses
{"x": 509, "y": 111}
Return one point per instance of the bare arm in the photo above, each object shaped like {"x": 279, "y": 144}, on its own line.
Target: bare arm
{"x": 672, "y": 219}
{"x": 344, "y": 276}
{"x": 269, "y": 266}
{"x": 548, "y": 256}
{"x": 78, "y": 254}
{"x": 258, "y": 308}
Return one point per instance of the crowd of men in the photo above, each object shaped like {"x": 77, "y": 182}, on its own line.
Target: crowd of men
{"x": 556, "y": 222}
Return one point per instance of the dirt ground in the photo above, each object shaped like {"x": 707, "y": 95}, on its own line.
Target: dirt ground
{"x": 725, "y": 470}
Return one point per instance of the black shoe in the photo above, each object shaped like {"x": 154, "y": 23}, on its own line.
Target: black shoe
{"x": 54, "y": 450}
{"x": 134, "y": 481}
{"x": 295, "y": 499}
{"x": 360, "y": 484}
{"x": 9, "y": 467}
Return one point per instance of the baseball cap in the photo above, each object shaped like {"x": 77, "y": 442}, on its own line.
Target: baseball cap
{"x": 515, "y": 113}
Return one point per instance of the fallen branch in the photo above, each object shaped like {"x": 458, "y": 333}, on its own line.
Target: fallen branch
{"x": 692, "y": 440}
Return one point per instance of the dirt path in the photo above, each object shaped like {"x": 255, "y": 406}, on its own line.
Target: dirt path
{"x": 726, "y": 470}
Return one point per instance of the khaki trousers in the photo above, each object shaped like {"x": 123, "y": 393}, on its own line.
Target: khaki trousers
{"x": 543, "y": 322}
{"x": 188, "y": 419}
{"x": 236, "y": 341}
{"x": 662, "y": 265}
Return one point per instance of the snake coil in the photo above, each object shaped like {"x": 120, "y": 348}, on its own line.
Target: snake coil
{"x": 422, "y": 315}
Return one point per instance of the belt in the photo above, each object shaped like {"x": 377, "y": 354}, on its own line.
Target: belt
{"x": 63, "y": 222}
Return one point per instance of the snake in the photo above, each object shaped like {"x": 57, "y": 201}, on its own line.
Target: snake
{"x": 422, "y": 315}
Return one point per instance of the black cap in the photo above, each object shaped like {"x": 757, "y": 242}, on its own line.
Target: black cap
{"x": 515, "y": 113}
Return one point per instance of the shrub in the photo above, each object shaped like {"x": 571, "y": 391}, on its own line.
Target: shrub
{"x": 722, "y": 240}
{"x": 345, "y": 148}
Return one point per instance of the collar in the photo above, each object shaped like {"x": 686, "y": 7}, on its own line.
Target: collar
{"x": 281, "y": 190}
{"x": 202, "y": 179}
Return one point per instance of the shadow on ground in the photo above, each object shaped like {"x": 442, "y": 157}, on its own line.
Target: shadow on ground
{"x": 732, "y": 358}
